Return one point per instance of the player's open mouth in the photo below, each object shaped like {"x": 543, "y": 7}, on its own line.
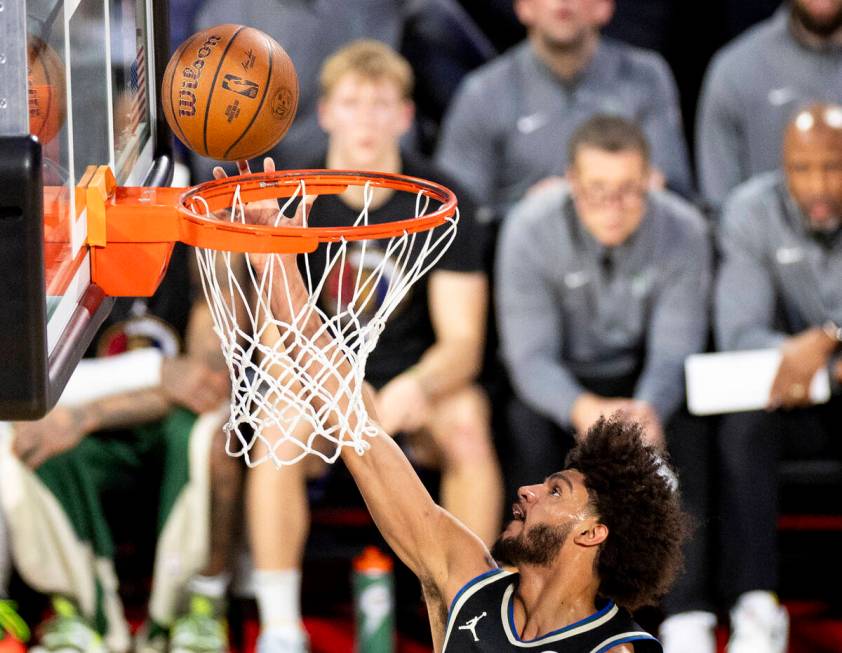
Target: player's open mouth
{"x": 517, "y": 512}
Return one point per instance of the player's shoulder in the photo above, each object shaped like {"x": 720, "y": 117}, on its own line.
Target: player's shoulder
{"x": 636, "y": 61}
{"x": 540, "y": 206}
{"x": 681, "y": 230}
{"x": 753, "y": 201}
{"x": 750, "y": 47}
{"x": 679, "y": 211}
{"x": 494, "y": 77}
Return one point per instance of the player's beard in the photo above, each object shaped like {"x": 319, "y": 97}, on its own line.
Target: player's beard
{"x": 537, "y": 546}
{"x": 823, "y": 28}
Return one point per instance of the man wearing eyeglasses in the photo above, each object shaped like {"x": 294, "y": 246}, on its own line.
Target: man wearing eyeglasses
{"x": 602, "y": 290}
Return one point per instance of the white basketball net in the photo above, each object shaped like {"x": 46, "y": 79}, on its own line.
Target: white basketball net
{"x": 272, "y": 409}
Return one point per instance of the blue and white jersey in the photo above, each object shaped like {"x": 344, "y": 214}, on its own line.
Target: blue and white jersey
{"x": 481, "y": 620}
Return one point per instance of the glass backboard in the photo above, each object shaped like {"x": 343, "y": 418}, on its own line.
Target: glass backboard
{"x": 78, "y": 89}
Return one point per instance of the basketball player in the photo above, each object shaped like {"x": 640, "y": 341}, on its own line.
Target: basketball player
{"x": 606, "y": 531}
{"x": 425, "y": 366}
{"x": 63, "y": 478}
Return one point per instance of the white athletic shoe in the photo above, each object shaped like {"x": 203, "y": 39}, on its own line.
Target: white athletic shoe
{"x": 689, "y": 632}
{"x": 759, "y": 624}
{"x": 283, "y": 640}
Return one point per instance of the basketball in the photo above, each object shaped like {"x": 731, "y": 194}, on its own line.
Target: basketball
{"x": 45, "y": 71}
{"x": 230, "y": 92}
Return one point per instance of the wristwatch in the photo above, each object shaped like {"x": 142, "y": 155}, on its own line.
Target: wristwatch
{"x": 833, "y": 331}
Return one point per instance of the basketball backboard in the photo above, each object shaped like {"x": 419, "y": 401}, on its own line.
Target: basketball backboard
{"x": 78, "y": 89}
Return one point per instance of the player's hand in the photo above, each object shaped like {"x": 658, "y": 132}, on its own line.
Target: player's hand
{"x": 61, "y": 430}
{"x": 268, "y": 212}
{"x": 402, "y": 405}
{"x": 194, "y": 384}
{"x": 588, "y": 408}
{"x": 261, "y": 211}
{"x": 802, "y": 356}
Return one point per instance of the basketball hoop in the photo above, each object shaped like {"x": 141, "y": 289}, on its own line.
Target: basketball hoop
{"x": 355, "y": 277}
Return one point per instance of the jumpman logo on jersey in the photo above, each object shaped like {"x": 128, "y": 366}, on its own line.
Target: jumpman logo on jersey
{"x": 471, "y": 625}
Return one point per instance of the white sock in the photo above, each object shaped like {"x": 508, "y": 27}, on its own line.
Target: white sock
{"x": 214, "y": 587}
{"x": 278, "y": 598}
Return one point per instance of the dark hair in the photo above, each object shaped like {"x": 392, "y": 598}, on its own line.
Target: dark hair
{"x": 633, "y": 491}
{"x": 608, "y": 133}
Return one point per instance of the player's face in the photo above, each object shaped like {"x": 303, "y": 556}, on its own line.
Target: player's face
{"x": 822, "y": 17}
{"x": 365, "y": 118}
{"x": 544, "y": 516}
{"x": 563, "y": 24}
{"x": 609, "y": 191}
{"x": 814, "y": 175}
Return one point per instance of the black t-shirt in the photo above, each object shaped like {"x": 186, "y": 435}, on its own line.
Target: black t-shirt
{"x": 409, "y": 331}
{"x": 159, "y": 321}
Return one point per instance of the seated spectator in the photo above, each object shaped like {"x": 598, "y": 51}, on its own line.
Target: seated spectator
{"x": 427, "y": 360}
{"x": 781, "y": 243}
{"x": 601, "y": 293}
{"x": 756, "y": 83}
{"x": 509, "y": 124}
{"x": 141, "y": 415}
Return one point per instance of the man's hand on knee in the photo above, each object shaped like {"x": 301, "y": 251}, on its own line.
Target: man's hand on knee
{"x": 194, "y": 384}
{"x": 403, "y": 404}
{"x": 61, "y": 430}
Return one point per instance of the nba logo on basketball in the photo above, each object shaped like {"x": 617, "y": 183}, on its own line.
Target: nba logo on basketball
{"x": 240, "y": 86}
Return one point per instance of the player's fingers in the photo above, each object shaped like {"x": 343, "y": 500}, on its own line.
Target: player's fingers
{"x": 268, "y": 164}
{"x": 219, "y": 172}
{"x": 302, "y": 212}
{"x": 243, "y": 167}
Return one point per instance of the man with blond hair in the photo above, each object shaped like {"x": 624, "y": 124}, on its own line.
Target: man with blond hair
{"x": 425, "y": 367}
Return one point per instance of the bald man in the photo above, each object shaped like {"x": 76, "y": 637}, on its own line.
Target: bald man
{"x": 756, "y": 83}
{"x": 779, "y": 287}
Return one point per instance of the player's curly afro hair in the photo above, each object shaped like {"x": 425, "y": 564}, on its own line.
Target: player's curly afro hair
{"x": 633, "y": 490}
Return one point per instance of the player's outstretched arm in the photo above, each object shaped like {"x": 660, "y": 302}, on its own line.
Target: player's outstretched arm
{"x": 438, "y": 548}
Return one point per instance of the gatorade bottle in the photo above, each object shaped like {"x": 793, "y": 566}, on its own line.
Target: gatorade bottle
{"x": 374, "y": 602}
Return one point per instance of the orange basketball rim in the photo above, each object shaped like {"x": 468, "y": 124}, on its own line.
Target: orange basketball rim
{"x": 132, "y": 230}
